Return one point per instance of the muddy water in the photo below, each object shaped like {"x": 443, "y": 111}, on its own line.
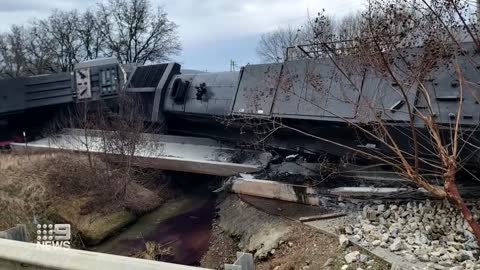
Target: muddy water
{"x": 183, "y": 224}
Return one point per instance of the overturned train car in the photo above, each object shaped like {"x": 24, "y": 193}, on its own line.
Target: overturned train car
{"x": 314, "y": 107}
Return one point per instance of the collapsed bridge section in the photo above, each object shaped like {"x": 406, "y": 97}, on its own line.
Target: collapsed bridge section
{"x": 166, "y": 152}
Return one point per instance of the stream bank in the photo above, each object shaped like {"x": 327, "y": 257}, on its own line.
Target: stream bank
{"x": 278, "y": 243}
{"x": 182, "y": 225}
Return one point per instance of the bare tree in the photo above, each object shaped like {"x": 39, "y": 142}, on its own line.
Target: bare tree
{"x": 272, "y": 46}
{"x": 111, "y": 137}
{"x": 405, "y": 46}
{"x": 12, "y": 52}
{"x": 61, "y": 29}
{"x": 429, "y": 33}
{"x": 349, "y": 27}
{"x": 38, "y": 51}
{"x": 90, "y": 35}
{"x": 136, "y": 32}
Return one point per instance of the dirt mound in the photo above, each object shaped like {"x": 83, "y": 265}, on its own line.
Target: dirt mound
{"x": 222, "y": 250}
{"x": 258, "y": 231}
{"x": 278, "y": 243}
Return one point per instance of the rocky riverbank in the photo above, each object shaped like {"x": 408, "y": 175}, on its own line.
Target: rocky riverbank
{"x": 432, "y": 233}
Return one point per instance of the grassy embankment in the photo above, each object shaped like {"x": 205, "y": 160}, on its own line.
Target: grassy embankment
{"x": 95, "y": 197}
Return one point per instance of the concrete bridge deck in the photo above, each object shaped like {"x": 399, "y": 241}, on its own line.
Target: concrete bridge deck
{"x": 166, "y": 152}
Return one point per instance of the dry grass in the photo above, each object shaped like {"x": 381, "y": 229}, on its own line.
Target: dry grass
{"x": 30, "y": 184}
{"x": 23, "y": 192}
{"x": 155, "y": 251}
{"x": 108, "y": 187}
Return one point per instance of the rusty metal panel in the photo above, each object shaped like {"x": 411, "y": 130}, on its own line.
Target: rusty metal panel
{"x": 257, "y": 88}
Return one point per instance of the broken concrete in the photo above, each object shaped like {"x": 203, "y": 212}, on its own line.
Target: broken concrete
{"x": 166, "y": 152}
{"x": 367, "y": 192}
{"x": 276, "y": 190}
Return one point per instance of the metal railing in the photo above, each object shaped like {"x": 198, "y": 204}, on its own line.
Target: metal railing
{"x": 22, "y": 255}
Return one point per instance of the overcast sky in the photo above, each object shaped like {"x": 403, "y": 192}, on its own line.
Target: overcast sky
{"x": 212, "y": 32}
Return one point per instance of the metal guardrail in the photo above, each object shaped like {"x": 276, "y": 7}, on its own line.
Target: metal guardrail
{"x": 22, "y": 255}
{"x": 19, "y": 233}
{"x": 244, "y": 262}
{"x": 16, "y": 252}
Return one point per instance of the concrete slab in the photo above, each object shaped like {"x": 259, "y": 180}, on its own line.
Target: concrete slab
{"x": 176, "y": 153}
{"x": 275, "y": 190}
{"x": 366, "y": 192}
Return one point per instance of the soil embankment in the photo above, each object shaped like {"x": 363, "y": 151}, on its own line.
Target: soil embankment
{"x": 146, "y": 222}
{"x": 277, "y": 243}
{"x": 56, "y": 188}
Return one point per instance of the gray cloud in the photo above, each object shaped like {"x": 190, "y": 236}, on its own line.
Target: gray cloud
{"x": 40, "y": 6}
{"x": 204, "y": 25}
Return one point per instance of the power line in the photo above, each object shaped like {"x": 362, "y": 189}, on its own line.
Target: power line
{"x": 233, "y": 65}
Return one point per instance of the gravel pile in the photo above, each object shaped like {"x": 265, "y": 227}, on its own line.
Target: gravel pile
{"x": 431, "y": 232}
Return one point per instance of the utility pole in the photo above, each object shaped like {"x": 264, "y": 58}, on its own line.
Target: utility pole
{"x": 233, "y": 65}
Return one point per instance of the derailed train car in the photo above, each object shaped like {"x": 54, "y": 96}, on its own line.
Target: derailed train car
{"x": 328, "y": 112}
{"x": 28, "y": 104}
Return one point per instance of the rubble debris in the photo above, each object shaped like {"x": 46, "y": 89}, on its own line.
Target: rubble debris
{"x": 344, "y": 242}
{"x": 352, "y": 256}
{"x": 286, "y": 168}
{"x": 365, "y": 191}
{"x": 275, "y": 190}
{"x": 363, "y": 258}
{"x": 430, "y": 232}
{"x": 291, "y": 157}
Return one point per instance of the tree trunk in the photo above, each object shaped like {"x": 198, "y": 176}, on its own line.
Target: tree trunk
{"x": 453, "y": 196}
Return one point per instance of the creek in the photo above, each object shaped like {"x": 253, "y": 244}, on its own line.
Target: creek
{"x": 184, "y": 224}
